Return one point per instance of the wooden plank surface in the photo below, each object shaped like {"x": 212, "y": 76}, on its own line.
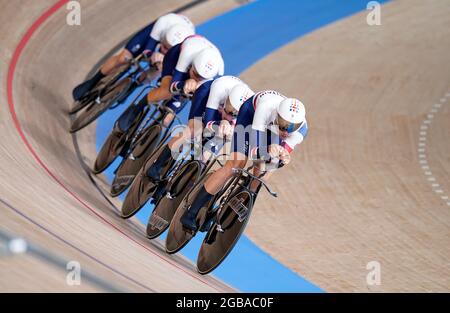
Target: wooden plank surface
{"x": 65, "y": 213}
{"x": 356, "y": 191}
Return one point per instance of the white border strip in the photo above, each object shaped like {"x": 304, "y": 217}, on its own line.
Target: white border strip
{"x": 422, "y": 150}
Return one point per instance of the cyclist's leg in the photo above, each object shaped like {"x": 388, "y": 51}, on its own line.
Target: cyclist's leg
{"x": 116, "y": 61}
{"x": 170, "y": 151}
{"x": 133, "y": 48}
{"x": 238, "y": 159}
{"x": 218, "y": 179}
{"x": 174, "y": 106}
{"x": 211, "y": 187}
{"x": 194, "y": 129}
{"x": 163, "y": 91}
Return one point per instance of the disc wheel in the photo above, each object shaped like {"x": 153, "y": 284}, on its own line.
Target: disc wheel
{"x": 177, "y": 236}
{"x": 144, "y": 148}
{"x": 100, "y": 105}
{"x": 165, "y": 209}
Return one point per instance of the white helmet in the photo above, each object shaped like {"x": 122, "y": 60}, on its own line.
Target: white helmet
{"x": 177, "y": 34}
{"x": 238, "y": 95}
{"x": 207, "y": 63}
{"x": 291, "y": 115}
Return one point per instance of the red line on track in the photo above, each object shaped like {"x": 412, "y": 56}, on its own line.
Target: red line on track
{"x": 10, "y": 80}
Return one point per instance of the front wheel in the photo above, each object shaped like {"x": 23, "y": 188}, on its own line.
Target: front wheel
{"x": 178, "y": 237}
{"x": 225, "y": 233}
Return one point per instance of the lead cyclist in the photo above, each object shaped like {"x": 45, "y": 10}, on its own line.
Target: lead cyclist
{"x": 268, "y": 127}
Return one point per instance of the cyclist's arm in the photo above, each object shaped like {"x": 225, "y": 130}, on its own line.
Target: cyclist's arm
{"x": 156, "y": 34}
{"x": 259, "y": 150}
{"x": 220, "y": 90}
{"x": 150, "y": 47}
{"x": 181, "y": 72}
{"x": 177, "y": 83}
{"x": 212, "y": 116}
{"x": 198, "y": 101}
{"x": 170, "y": 61}
{"x": 261, "y": 120}
{"x": 212, "y": 119}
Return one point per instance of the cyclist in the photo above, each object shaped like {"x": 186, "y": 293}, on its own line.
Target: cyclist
{"x": 268, "y": 127}
{"x": 185, "y": 67}
{"x": 167, "y": 31}
{"x": 215, "y": 105}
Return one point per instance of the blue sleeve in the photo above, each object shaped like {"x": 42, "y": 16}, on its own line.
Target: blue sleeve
{"x": 151, "y": 46}
{"x": 179, "y": 76}
{"x": 199, "y": 101}
{"x": 170, "y": 61}
{"x": 304, "y": 130}
{"x": 259, "y": 141}
{"x": 212, "y": 115}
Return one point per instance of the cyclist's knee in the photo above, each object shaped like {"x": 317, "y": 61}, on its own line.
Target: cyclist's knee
{"x": 231, "y": 164}
{"x": 124, "y": 57}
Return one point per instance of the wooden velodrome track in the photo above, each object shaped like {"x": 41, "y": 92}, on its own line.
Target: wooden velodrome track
{"x": 47, "y": 197}
{"x": 357, "y": 191}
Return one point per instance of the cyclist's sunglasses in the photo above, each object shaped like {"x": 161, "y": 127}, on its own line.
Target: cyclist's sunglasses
{"x": 285, "y": 126}
{"x": 233, "y": 113}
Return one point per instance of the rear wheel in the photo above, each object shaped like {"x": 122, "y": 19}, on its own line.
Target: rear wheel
{"x": 114, "y": 145}
{"x": 178, "y": 237}
{"x": 144, "y": 148}
{"x": 118, "y": 91}
{"x": 83, "y": 102}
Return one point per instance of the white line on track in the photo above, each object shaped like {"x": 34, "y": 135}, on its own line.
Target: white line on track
{"x": 423, "y": 160}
